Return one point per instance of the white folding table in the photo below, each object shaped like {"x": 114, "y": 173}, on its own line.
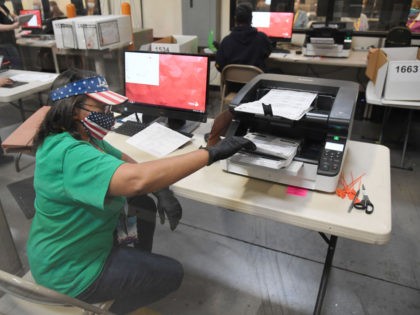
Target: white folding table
{"x": 325, "y": 213}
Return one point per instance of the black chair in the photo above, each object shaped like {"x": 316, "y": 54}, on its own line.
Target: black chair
{"x": 399, "y": 36}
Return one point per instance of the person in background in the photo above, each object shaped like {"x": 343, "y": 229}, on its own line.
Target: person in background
{"x": 80, "y": 9}
{"x": 245, "y": 44}
{"x": 55, "y": 10}
{"x": 300, "y": 19}
{"x": 262, "y": 6}
{"x": 413, "y": 22}
{"x": 91, "y": 7}
{"x": 82, "y": 186}
{"x": 8, "y": 24}
{"x": 37, "y": 5}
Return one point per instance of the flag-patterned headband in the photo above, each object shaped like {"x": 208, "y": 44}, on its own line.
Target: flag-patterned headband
{"x": 95, "y": 87}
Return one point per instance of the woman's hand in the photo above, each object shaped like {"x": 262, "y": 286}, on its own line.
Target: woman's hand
{"x": 5, "y": 81}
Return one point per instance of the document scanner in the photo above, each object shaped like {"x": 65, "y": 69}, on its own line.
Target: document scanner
{"x": 328, "y": 42}
{"x": 320, "y": 135}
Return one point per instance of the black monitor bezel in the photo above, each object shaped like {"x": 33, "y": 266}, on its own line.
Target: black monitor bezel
{"x": 164, "y": 111}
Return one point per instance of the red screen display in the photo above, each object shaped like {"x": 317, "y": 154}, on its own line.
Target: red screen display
{"x": 35, "y": 22}
{"x": 170, "y": 80}
{"x": 274, "y": 24}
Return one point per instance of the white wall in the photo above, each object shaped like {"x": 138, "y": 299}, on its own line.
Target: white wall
{"x": 164, "y": 16}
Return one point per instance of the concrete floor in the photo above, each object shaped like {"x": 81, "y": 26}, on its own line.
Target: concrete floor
{"x": 240, "y": 264}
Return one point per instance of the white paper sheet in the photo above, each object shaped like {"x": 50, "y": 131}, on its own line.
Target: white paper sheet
{"x": 31, "y": 77}
{"x": 284, "y": 103}
{"x": 275, "y": 146}
{"x": 158, "y": 140}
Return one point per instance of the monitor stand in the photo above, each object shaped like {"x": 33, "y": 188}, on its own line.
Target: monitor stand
{"x": 279, "y": 48}
{"x": 180, "y": 125}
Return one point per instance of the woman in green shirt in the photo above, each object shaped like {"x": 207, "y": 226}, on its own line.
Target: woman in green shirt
{"x": 82, "y": 183}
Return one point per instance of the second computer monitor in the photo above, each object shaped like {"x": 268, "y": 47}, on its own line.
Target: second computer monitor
{"x": 35, "y": 23}
{"x": 278, "y": 26}
{"x": 171, "y": 85}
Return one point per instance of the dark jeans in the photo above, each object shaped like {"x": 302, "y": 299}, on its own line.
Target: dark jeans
{"x": 134, "y": 277}
{"x": 11, "y": 53}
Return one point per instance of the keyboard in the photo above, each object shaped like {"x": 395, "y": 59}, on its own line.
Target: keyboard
{"x": 130, "y": 128}
{"x": 281, "y": 50}
{"x": 14, "y": 84}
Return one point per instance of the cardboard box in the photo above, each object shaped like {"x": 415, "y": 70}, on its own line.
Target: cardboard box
{"x": 395, "y": 73}
{"x": 176, "y": 43}
{"x": 103, "y": 31}
{"x": 142, "y": 37}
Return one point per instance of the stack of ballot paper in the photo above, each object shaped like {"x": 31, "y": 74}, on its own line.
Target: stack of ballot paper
{"x": 158, "y": 140}
{"x": 272, "y": 152}
{"x": 284, "y": 103}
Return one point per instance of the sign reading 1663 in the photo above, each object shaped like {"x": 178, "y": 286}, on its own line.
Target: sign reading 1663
{"x": 405, "y": 70}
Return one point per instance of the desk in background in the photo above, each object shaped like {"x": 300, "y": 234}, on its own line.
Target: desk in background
{"x": 321, "y": 212}
{"x": 37, "y": 82}
{"x": 351, "y": 68}
{"x": 30, "y": 47}
{"x": 373, "y": 99}
{"x": 357, "y": 59}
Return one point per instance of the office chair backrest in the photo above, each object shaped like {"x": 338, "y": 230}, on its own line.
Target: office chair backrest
{"x": 235, "y": 73}
{"x": 399, "y": 36}
{"x": 32, "y": 292}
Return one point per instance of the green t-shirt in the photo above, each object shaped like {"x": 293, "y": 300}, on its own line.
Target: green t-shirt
{"x": 71, "y": 234}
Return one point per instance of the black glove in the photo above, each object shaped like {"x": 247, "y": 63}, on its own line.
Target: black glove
{"x": 169, "y": 205}
{"x": 228, "y": 147}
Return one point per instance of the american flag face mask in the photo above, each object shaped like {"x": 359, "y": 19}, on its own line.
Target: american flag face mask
{"x": 98, "y": 124}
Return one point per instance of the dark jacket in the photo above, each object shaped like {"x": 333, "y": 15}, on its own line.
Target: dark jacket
{"x": 6, "y": 37}
{"x": 244, "y": 45}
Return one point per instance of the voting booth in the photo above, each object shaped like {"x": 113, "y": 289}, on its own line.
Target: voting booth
{"x": 395, "y": 73}
{"x": 93, "y": 32}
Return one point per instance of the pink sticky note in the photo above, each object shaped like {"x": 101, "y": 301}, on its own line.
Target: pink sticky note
{"x": 297, "y": 191}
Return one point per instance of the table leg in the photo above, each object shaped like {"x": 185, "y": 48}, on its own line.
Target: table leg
{"x": 17, "y": 160}
{"x": 332, "y": 241}
{"x": 55, "y": 60}
{"x": 387, "y": 111}
{"x": 19, "y": 106}
{"x": 407, "y": 132}
{"x": 100, "y": 66}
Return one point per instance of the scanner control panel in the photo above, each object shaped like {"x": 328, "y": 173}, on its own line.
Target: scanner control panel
{"x": 331, "y": 158}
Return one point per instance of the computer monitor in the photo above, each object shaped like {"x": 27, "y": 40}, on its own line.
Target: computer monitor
{"x": 35, "y": 23}
{"x": 170, "y": 85}
{"x": 278, "y": 26}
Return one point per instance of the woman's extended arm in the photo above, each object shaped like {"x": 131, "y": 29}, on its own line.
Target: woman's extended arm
{"x": 142, "y": 178}
{"x": 8, "y": 27}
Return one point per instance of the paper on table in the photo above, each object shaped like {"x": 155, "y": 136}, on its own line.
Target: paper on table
{"x": 25, "y": 18}
{"x": 284, "y": 103}
{"x": 31, "y": 77}
{"x": 133, "y": 117}
{"x": 158, "y": 140}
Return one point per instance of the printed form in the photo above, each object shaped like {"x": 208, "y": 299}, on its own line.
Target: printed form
{"x": 158, "y": 140}
{"x": 284, "y": 103}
